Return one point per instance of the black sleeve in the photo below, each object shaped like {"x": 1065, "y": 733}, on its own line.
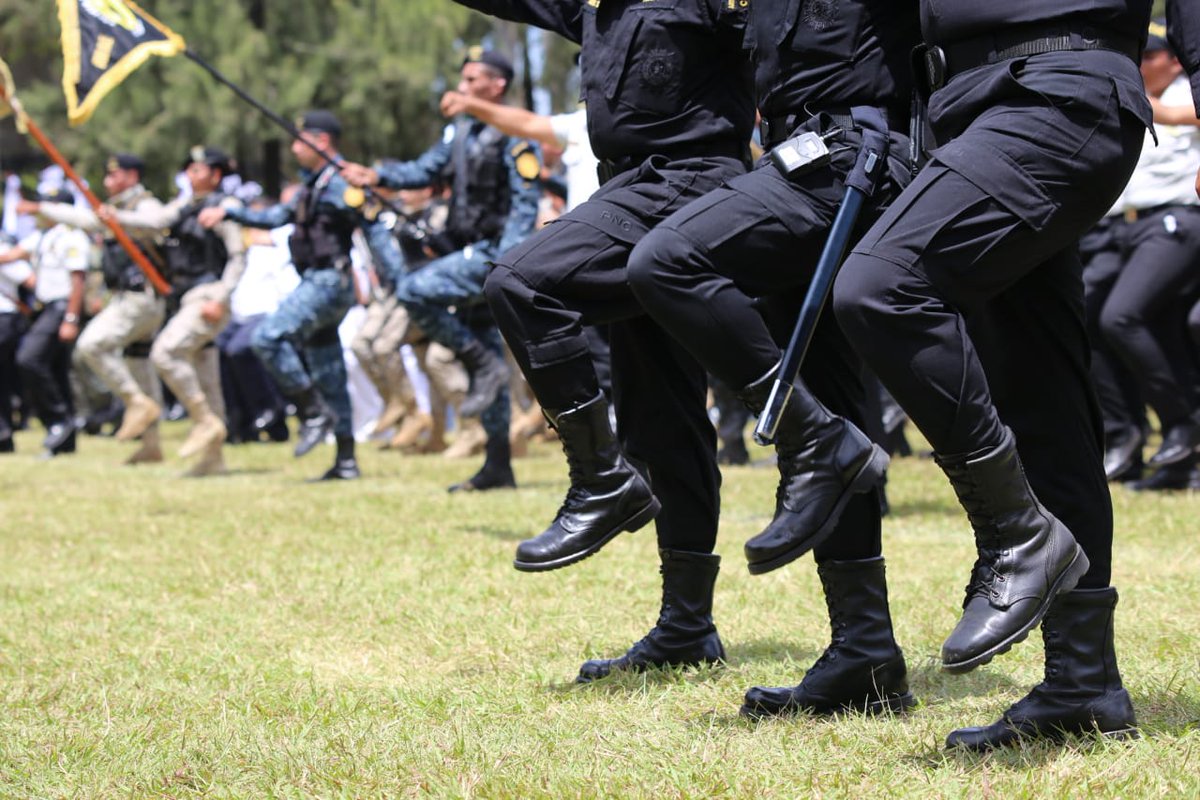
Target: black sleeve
{"x": 1183, "y": 30}
{"x": 563, "y": 17}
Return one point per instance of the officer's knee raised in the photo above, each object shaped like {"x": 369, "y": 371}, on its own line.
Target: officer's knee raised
{"x": 659, "y": 253}
{"x": 861, "y": 279}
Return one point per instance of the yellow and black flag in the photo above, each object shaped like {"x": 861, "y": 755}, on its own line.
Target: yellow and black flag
{"x": 103, "y": 42}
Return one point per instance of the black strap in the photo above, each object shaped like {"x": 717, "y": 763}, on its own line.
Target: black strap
{"x": 773, "y": 130}
{"x": 1023, "y": 41}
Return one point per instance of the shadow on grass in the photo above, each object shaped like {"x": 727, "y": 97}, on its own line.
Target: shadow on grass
{"x": 780, "y": 650}
{"x": 932, "y": 684}
{"x": 503, "y": 534}
{"x": 1020, "y": 758}
{"x": 1167, "y": 713}
{"x": 625, "y": 682}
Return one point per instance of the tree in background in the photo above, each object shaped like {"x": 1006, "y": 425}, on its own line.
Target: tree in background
{"x": 380, "y": 65}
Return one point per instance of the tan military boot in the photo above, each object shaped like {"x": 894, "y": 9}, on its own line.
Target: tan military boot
{"x": 140, "y": 413}
{"x": 470, "y": 440}
{"x": 436, "y": 443}
{"x": 151, "y": 450}
{"x": 417, "y": 425}
{"x": 207, "y": 428}
{"x": 212, "y": 462}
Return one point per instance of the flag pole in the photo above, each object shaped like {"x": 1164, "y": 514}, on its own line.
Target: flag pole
{"x": 135, "y": 252}
{"x": 288, "y": 127}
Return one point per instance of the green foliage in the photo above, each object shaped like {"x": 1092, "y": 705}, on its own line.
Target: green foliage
{"x": 380, "y": 65}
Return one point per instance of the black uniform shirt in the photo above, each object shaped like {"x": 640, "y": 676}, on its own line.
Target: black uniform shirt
{"x": 945, "y": 21}
{"x": 810, "y": 56}
{"x": 659, "y": 76}
{"x": 1183, "y": 29}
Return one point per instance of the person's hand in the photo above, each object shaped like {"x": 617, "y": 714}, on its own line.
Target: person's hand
{"x": 211, "y": 217}
{"x": 212, "y": 311}
{"x": 28, "y": 206}
{"x": 68, "y": 332}
{"x": 106, "y": 213}
{"x": 358, "y": 175}
{"x": 453, "y": 104}
{"x": 1198, "y": 184}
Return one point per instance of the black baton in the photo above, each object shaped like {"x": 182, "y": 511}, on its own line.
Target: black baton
{"x": 814, "y": 301}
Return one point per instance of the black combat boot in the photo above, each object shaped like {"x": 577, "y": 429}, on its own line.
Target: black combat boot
{"x": 1123, "y": 456}
{"x": 1026, "y": 556}
{"x": 496, "y": 472}
{"x": 1081, "y": 693}
{"x": 60, "y": 438}
{"x": 685, "y": 635}
{"x": 862, "y": 669}
{"x": 345, "y": 465}
{"x": 824, "y": 460}
{"x": 316, "y": 420}
{"x": 607, "y": 495}
{"x": 1180, "y": 443}
{"x": 489, "y": 374}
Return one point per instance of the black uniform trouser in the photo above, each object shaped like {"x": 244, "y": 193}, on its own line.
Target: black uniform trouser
{"x": 572, "y": 273}
{"x": 45, "y": 364}
{"x": 1143, "y": 318}
{"x": 760, "y": 236}
{"x": 248, "y": 388}
{"x": 12, "y": 325}
{"x": 1121, "y": 405}
{"x": 966, "y": 298}
{"x": 1194, "y": 326}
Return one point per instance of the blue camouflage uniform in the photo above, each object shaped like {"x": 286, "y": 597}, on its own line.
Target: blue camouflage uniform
{"x": 494, "y": 206}
{"x": 325, "y": 212}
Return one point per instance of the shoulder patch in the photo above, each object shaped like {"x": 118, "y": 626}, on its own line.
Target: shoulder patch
{"x": 353, "y": 197}
{"x": 529, "y": 166}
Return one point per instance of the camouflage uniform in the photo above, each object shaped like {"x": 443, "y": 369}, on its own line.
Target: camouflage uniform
{"x": 327, "y": 211}
{"x": 494, "y": 207}
{"x": 115, "y": 344}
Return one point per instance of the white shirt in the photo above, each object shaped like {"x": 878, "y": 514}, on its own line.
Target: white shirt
{"x": 1166, "y": 174}
{"x": 578, "y": 158}
{"x": 269, "y": 277}
{"x": 55, "y": 254}
{"x": 12, "y": 276}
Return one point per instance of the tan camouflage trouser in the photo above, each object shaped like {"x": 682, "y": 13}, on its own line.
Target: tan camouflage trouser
{"x": 377, "y": 344}
{"x": 129, "y": 318}
{"x": 181, "y": 352}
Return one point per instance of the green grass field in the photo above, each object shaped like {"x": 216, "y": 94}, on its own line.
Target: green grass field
{"x": 253, "y": 636}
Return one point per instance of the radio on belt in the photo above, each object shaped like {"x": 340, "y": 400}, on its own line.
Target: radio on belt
{"x": 800, "y": 154}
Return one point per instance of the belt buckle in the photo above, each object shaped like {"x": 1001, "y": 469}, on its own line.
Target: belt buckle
{"x": 935, "y": 67}
{"x": 1131, "y": 215}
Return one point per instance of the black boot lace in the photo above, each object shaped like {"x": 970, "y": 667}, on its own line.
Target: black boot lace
{"x": 837, "y": 638}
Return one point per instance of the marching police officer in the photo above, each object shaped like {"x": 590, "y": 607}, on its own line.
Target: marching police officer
{"x": 493, "y": 206}
{"x": 966, "y": 299}
{"x": 670, "y": 112}
{"x": 134, "y": 312}
{"x": 204, "y": 267}
{"x": 325, "y": 211}
{"x": 838, "y": 76}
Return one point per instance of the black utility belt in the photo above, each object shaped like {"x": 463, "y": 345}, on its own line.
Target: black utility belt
{"x": 773, "y": 130}
{"x": 938, "y": 63}
{"x": 1136, "y": 214}
{"x": 609, "y": 168}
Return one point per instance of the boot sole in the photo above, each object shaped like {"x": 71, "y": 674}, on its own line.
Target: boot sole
{"x": 867, "y": 478}
{"x": 638, "y": 519}
{"x": 1065, "y": 583}
{"x": 898, "y": 704}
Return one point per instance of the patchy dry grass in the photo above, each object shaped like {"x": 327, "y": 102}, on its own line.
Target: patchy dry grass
{"x": 254, "y": 636}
